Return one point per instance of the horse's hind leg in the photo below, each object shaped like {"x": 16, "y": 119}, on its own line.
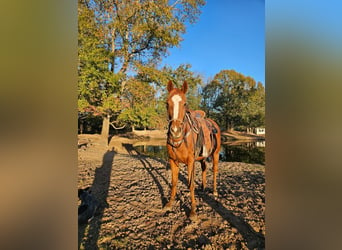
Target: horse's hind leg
{"x": 191, "y": 179}
{"x": 204, "y": 174}
{"x": 215, "y": 170}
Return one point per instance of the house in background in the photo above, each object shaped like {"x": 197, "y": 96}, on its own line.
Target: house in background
{"x": 260, "y": 144}
{"x": 260, "y": 131}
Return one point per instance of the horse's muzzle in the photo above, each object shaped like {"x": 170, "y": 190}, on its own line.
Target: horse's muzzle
{"x": 176, "y": 132}
{"x": 176, "y": 129}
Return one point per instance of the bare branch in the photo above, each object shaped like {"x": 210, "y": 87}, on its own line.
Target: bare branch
{"x": 175, "y": 3}
{"x": 112, "y": 124}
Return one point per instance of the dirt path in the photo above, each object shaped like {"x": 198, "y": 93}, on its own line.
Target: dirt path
{"x": 132, "y": 190}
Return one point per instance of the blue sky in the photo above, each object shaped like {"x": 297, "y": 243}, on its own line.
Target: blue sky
{"x": 230, "y": 34}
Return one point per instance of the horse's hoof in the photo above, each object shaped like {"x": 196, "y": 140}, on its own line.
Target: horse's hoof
{"x": 215, "y": 193}
{"x": 193, "y": 216}
{"x": 167, "y": 207}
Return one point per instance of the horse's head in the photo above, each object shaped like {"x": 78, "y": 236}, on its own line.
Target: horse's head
{"x": 176, "y": 108}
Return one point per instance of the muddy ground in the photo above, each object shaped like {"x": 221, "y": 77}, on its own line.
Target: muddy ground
{"x": 132, "y": 190}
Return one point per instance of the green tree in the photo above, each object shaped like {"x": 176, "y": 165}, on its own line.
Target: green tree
{"x": 158, "y": 78}
{"x": 139, "y": 99}
{"x": 210, "y": 93}
{"x": 95, "y": 84}
{"x": 133, "y": 34}
{"x": 184, "y": 73}
{"x": 235, "y": 100}
{"x": 256, "y": 108}
{"x": 139, "y": 32}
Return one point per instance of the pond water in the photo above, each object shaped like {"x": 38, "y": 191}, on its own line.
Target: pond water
{"x": 236, "y": 151}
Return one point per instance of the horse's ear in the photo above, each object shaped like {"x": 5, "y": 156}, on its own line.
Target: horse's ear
{"x": 185, "y": 87}
{"x": 169, "y": 86}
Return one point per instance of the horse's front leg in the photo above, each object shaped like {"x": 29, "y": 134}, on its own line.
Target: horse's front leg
{"x": 174, "y": 170}
{"x": 191, "y": 182}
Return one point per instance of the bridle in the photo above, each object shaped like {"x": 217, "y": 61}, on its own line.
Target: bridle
{"x": 176, "y": 141}
{"x": 173, "y": 141}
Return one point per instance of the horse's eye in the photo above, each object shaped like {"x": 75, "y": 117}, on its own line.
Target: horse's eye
{"x": 185, "y": 104}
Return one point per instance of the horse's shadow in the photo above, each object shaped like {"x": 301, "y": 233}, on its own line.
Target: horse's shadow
{"x": 253, "y": 239}
{"x": 153, "y": 172}
{"x": 99, "y": 188}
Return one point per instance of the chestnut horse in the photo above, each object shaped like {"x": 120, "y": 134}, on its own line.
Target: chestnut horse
{"x": 190, "y": 138}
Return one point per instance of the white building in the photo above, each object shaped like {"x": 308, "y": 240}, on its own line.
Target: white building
{"x": 260, "y": 131}
{"x": 260, "y": 144}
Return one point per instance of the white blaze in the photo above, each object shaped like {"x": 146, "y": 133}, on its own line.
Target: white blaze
{"x": 176, "y": 99}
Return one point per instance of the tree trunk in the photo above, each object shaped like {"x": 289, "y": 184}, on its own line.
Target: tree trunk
{"x": 123, "y": 70}
{"x": 113, "y": 50}
{"x": 229, "y": 125}
{"x": 105, "y": 127}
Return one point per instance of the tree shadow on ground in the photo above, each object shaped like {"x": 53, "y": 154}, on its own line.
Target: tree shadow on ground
{"x": 151, "y": 171}
{"x": 99, "y": 188}
{"x": 253, "y": 239}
